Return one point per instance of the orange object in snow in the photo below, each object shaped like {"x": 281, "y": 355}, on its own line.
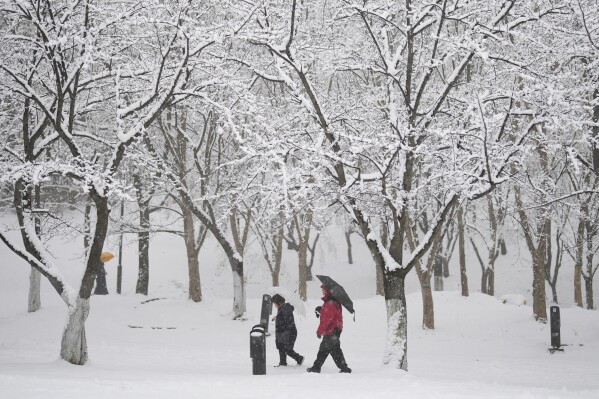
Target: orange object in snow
{"x": 106, "y": 256}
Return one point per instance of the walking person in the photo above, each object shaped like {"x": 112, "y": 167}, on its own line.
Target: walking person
{"x": 101, "y": 288}
{"x": 285, "y": 331}
{"x": 330, "y": 328}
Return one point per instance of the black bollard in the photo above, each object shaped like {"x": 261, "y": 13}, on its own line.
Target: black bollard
{"x": 258, "y": 349}
{"x": 555, "y": 326}
{"x": 265, "y": 312}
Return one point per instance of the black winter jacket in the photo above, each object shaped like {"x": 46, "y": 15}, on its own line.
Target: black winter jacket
{"x": 285, "y": 330}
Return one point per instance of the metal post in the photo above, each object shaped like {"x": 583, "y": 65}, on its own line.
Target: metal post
{"x": 265, "y": 311}
{"x": 555, "y": 327}
{"x": 258, "y": 349}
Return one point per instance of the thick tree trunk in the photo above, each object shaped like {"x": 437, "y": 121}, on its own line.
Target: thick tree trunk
{"x": 428, "y": 309}
{"x": 539, "y": 302}
{"x": 193, "y": 264}
{"x": 238, "y": 287}
{"x": 380, "y": 281}
{"x": 396, "y": 351}
{"x": 588, "y": 285}
{"x": 484, "y": 281}
{"x": 35, "y": 303}
{"x": 462, "y": 253}
{"x": 73, "y": 347}
{"x": 491, "y": 281}
{"x": 143, "y": 241}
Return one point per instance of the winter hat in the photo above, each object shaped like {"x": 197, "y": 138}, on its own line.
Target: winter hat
{"x": 326, "y": 290}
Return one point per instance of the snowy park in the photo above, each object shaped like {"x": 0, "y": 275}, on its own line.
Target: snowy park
{"x": 164, "y": 345}
{"x": 299, "y": 198}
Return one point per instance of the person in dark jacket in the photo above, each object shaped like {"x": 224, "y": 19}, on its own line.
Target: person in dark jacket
{"x": 285, "y": 331}
{"x": 101, "y": 288}
{"x": 330, "y": 327}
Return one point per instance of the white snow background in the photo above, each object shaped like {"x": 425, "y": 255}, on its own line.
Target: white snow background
{"x": 480, "y": 348}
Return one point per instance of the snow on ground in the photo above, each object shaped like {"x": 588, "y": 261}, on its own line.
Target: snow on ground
{"x": 170, "y": 347}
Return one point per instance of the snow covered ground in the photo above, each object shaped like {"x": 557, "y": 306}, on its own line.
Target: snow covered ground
{"x": 172, "y": 348}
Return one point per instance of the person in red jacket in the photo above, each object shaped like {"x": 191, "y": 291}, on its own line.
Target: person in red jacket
{"x": 330, "y": 327}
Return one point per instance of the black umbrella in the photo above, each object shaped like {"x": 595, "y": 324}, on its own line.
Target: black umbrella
{"x": 338, "y": 292}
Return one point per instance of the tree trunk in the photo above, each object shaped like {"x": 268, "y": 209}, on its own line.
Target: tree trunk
{"x": 380, "y": 281}
{"x": 302, "y": 254}
{"x": 438, "y": 273}
{"x": 73, "y": 347}
{"x": 193, "y": 265}
{"x": 238, "y": 288}
{"x": 462, "y": 252}
{"x": 275, "y": 279}
{"x": 484, "y": 281}
{"x": 143, "y": 241}
{"x": 428, "y": 309}
{"x": 312, "y": 250}
{"x": 588, "y": 285}
{"x": 87, "y": 226}
{"x": 578, "y": 265}
{"x": 539, "y": 302}
{"x": 34, "y": 303}
{"x": 396, "y": 351}
{"x": 491, "y": 281}
{"x": 350, "y": 258}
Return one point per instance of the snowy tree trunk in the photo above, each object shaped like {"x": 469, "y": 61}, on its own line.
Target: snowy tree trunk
{"x": 143, "y": 242}
{"x": 396, "y": 346}
{"x": 193, "y": 264}
{"x": 380, "y": 281}
{"x": 35, "y": 302}
{"x": 73, "y": 347}
{"x": 539, "y": 301}
{"x": 578, "y": 263}
{"x": 438, "y": 273}
{"x": 428, "y": 309}
{"x": 589, "y": 272}
{"x": 302, "y": 255}
{"x": 350, "y": 258}
{"x": 462, "y": 252}
{"x": 588, "y": 285}
{"x": 312, "y": 250}
{"x": 238, "y": 288}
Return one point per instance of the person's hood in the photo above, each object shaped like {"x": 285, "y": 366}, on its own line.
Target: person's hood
{"x": 327, "y": 293}
{"x": 287, "y": 305}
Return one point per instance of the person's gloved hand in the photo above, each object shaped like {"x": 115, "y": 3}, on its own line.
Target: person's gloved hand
{"x": 318, "y": 336}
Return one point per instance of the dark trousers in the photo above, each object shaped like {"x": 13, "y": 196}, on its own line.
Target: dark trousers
{"x": 283, "y": 353}
{"x": 330, "y": 345}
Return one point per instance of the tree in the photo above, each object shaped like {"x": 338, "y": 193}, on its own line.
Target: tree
{"x": 82, "y": 74}
{"x": 366, "y": 155}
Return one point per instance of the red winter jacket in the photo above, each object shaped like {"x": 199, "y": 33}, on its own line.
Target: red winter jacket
{"x": 331, "y": 316}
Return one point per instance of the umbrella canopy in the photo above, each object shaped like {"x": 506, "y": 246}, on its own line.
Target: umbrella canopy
{"x": 338, "y": 292}
{"x": 106, "y": 256}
